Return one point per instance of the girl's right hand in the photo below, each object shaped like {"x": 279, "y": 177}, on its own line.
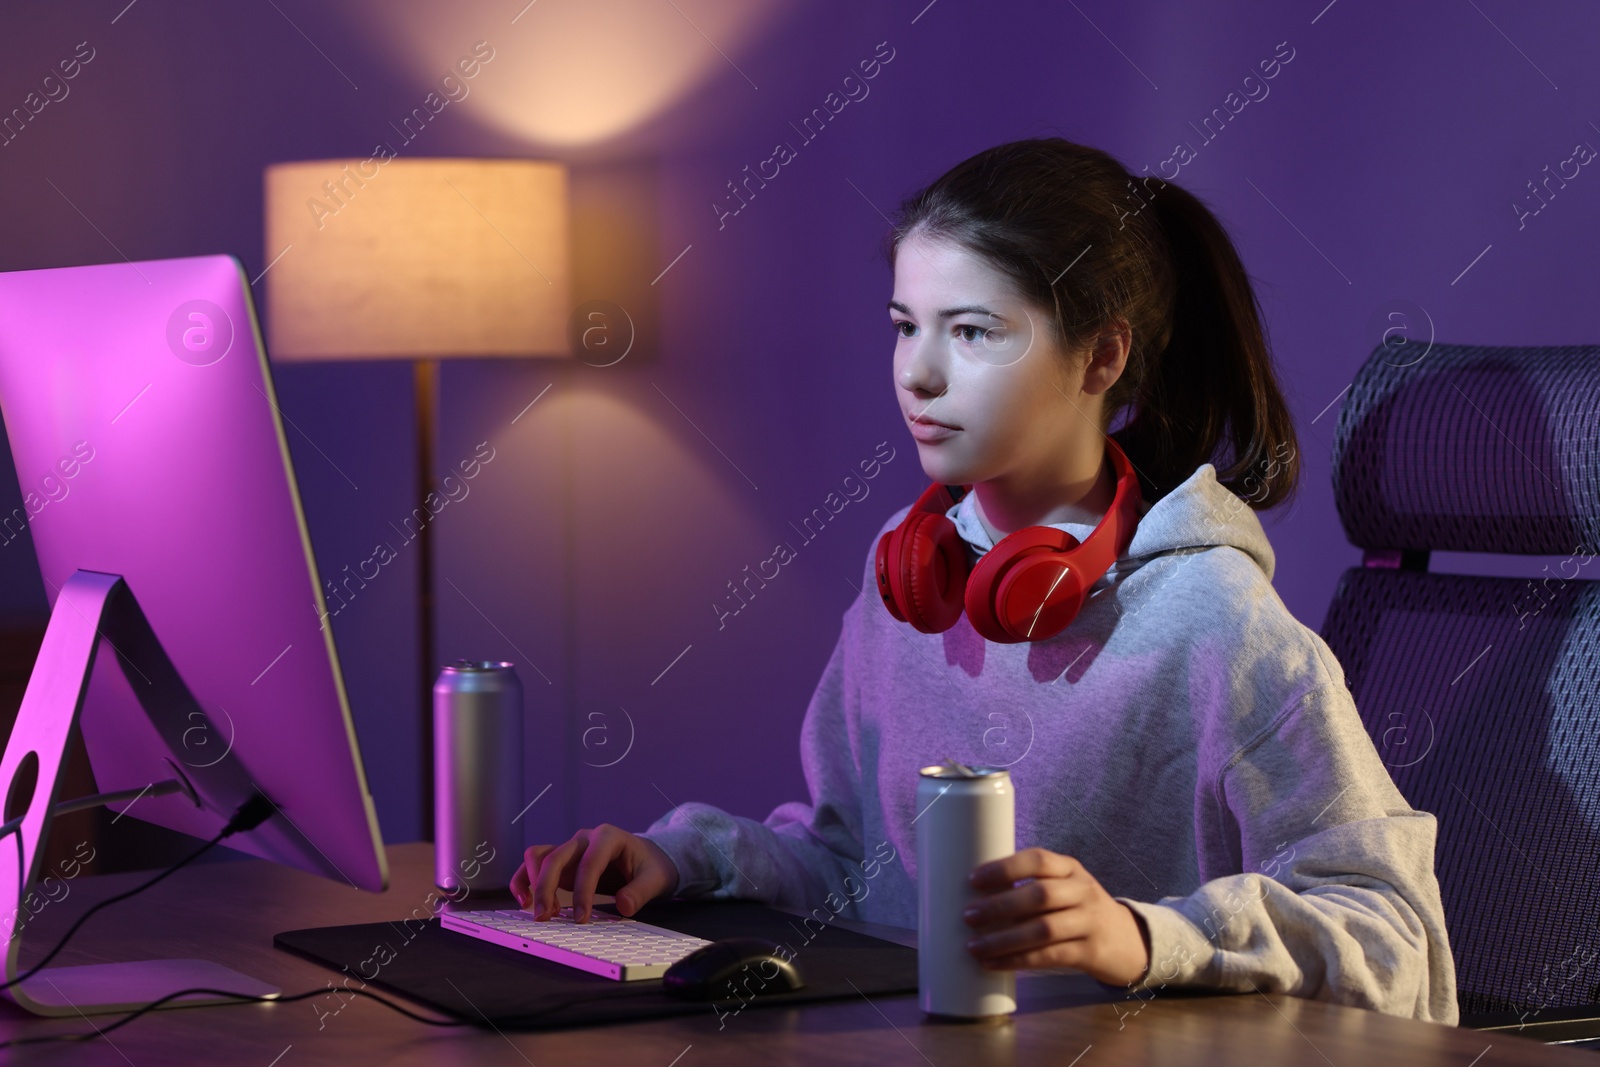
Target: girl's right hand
{"x": 606, "y": 859}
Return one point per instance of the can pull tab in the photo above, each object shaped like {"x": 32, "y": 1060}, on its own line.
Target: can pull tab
{"x": 960, "y": 768}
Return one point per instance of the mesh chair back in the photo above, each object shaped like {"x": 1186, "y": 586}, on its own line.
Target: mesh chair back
{"x": 1482, "y": 695}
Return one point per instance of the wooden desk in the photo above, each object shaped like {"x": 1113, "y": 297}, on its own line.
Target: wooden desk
{"x": 229, "y": 912}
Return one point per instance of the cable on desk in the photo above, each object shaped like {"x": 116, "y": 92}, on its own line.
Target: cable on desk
{"x": 90, "y": 1035}
{"x": 249, "y": 815}
{"x": 508, "y": 1021}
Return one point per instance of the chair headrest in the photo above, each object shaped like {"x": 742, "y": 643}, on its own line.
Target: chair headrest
{"x": 1472, "y": 448}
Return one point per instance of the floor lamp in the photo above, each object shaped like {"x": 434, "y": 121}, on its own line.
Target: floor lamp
{"x": 421, "y": 260}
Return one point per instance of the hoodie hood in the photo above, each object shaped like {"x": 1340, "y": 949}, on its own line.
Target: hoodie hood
{"x": 1199, "y": 513}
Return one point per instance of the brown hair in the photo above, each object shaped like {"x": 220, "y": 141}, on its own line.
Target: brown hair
{"x": 1077, "y": 234}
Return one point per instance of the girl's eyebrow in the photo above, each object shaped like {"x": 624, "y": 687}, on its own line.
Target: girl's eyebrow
{"x": 950, "y": 313}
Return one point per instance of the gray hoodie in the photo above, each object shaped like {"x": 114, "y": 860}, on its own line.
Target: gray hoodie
{"x": 1188, "y": 740}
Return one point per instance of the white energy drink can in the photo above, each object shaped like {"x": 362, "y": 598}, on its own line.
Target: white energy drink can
{"x": 477, "y": 777}
{"x": 965, "y": 816}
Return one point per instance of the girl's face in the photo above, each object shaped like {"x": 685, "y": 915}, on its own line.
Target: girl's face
{"x": 987, "y": 393}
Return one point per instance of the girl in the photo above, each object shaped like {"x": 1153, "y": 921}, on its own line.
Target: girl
{"x": 1200, "y": 802}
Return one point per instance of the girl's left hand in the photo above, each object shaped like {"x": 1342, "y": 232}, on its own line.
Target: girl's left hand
{"x": 1060, "y": 917}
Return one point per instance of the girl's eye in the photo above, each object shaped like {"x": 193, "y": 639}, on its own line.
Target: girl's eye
{"x": 981, "y": 332}
{"x": 898, "y": 327}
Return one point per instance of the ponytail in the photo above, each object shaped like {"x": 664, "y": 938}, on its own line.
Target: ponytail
{"x": 1213, "y": 379}
{"x": 1199, "y": 374}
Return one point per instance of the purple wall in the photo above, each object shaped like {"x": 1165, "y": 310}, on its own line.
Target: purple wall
{"x": 1379, "y": 172}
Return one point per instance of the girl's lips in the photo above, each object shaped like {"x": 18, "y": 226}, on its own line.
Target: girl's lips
{"x": 931, "y": 433}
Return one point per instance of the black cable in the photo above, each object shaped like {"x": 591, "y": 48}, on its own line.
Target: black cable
{"x": 507, "y": 1020}
{"x": 252, "y": 813}
{"x": 85, "y": 1035}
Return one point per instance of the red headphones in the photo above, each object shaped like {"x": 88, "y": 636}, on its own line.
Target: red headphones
{"x": 1028, "y": 587}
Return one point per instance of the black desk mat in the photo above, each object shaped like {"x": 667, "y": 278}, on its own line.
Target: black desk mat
{"x": 479, "y": 981}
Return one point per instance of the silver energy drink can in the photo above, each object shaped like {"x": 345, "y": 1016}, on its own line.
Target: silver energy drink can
{"x": 477, "y": 776}
{"x": 965, "y": 816}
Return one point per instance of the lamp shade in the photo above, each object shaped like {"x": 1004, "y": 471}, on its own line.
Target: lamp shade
{"x": 386, "y": 258}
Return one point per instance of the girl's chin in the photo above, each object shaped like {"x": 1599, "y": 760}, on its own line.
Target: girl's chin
{"x": 941, "y": 469}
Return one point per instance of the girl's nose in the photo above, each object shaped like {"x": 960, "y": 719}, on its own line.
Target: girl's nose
{"x": 920, "y": 374}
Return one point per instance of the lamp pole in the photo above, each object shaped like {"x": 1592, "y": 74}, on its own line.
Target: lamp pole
{"x": 427, "y": 391}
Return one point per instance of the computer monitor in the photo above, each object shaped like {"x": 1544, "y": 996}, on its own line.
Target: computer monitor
{"x": 149, "y": 447}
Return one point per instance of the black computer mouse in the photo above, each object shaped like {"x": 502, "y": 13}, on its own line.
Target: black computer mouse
{"x": 737, "y": 967}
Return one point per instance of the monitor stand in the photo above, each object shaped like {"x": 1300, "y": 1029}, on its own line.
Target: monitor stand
{"x": 91, "y": 605}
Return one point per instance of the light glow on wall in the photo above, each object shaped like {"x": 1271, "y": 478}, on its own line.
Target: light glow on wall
{"x": 570, "y": 73}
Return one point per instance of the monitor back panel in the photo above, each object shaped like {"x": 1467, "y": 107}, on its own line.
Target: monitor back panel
{"x": 147, "y": 440}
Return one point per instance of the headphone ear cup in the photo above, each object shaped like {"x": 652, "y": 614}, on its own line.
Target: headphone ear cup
{"x": 933, "y": 572}
{"x": 1039, "y": 597}
{"x": 1019, "y": 588}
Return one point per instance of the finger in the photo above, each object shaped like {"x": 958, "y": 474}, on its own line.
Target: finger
{"x": 519, "y": 884}
{"x": 604, "y": 845}
{"x": 551, "y": 868}
{"x": 1029, "y": 863}
{"x": 1037, "y": 933}
{"x": 649, "y": 881}
{"x": 1036, "y": 897}
{"x": 524, "y": 875}
{"x": 1060, "y": 954}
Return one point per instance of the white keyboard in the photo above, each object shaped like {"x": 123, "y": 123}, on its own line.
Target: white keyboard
{"x": 608, "y": 945}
